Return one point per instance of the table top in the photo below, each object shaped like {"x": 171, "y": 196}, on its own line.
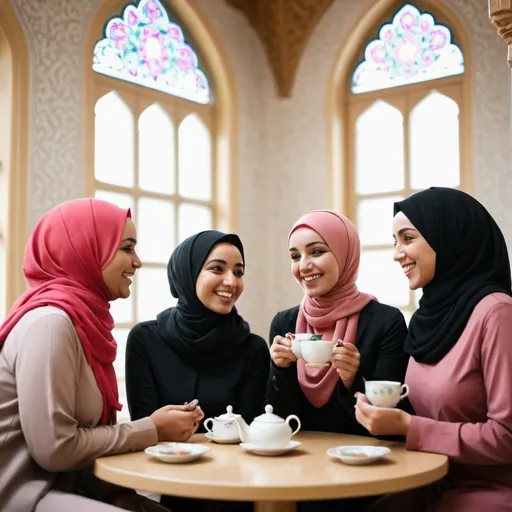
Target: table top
{"x": 306, "y": 473}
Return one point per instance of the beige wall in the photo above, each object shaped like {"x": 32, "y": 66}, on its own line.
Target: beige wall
{"x": 282, "y": 153}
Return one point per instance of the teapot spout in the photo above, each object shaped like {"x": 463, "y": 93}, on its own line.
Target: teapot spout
{"x": 243, "y": 429}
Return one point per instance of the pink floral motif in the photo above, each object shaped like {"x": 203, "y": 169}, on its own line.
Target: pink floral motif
{"x": 118, "y": 33}
{"x": 428, "y": 59}
{"x": 425, "y": 24}
{"x": 175, "y": 33}
{"x": 153, "y": 11}
{"x": 410, "y": 49}
{"x": 387, "y": 34}
{"x": 377, "y": 52}
{"x": 145, "y": 47}
{"x": 438, "y": 39}
{"x": 132, "y": 18}
{"x": 407, "y": 21}
{"x": 186, "y": 60}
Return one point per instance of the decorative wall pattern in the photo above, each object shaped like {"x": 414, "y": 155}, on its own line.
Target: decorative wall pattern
{"x": 282, "y": 142}
{"x": 56, "y": 32}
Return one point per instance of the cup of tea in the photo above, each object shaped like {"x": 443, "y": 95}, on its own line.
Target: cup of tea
{"x": 385, "y": 393}
{"x": 317, "y": 352}
{"x": 298, "y": 338}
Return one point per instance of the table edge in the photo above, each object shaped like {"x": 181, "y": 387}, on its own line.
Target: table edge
{"x": 229, "y": 491}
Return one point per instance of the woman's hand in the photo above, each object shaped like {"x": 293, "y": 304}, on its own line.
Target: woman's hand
{"x": 381, "y": 421}
{"x": 281, "y": 353}
{"x": 177, "y": 422}
{"x": 346, "y": 360}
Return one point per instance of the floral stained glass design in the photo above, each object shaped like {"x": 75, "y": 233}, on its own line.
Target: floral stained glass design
{"x": 411, "y": 49}
{"x": 146, "y": 48}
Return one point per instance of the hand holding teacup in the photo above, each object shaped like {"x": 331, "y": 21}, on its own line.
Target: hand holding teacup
{"x": 280, "y": 351}
{"x": 375, "y": 411}
{"x": 346, "y": 360}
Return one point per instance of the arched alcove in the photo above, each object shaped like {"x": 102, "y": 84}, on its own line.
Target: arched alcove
{"x": 14, "y": 143}
{"x": 225, "y": 151}
{"x": 399, "y": 121}
{"x": 160, "y": 137}
{"x": 338, "y": 90}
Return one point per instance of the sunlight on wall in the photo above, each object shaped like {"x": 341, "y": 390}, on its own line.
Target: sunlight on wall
{"x": 5, "y": 143}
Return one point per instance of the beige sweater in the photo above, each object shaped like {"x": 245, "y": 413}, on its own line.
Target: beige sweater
{"x": 50, "y": 407}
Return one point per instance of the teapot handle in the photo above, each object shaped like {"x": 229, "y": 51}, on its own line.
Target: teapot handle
{"x": 293, "y": 417}
{"x": 205, "y": 424}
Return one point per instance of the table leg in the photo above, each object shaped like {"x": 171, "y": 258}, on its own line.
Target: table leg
{"x": 275, "y": 506}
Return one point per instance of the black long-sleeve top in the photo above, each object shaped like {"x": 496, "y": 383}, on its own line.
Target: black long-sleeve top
{"x": 156, "y": 376}
{"x": 380, "y": 337}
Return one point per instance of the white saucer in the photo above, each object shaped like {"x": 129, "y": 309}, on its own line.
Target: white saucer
{"x": 317, "y": 365}
{"x": 220, "y": 440}
{"x": 167, "y": 452}
{"x": 270, "y": 451}
{"x": 358, "y": 455}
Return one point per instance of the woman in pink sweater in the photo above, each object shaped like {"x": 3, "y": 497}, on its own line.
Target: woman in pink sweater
{"x": 460, "y": 343}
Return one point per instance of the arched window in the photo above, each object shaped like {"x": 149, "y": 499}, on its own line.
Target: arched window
{"x": 404, "y": 112}
{"x": 154, "y": 141}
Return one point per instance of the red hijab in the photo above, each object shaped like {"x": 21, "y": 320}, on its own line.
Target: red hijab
{"x": 335, "y": 315}
{"x": 63, "y": 261}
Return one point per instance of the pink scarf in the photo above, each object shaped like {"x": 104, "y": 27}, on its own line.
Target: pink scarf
{"x": 336, "y": 314}
{"x": 63, "y": 261}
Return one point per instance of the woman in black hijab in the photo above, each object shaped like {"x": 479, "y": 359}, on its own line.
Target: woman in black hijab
{"x": 202, "y": 349}
{"x": 459, "y": 339}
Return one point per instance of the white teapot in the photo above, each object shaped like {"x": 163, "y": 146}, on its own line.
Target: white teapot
{"x": 223, "y": 427}
{"x": 267, "y": 431}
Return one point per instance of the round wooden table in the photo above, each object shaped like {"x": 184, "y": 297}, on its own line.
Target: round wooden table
{"x": 228, "y": 472}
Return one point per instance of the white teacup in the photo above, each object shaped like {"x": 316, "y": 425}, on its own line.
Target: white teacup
{"x": 297, "y": 339}
{"x": 223, "y": 426}
{"x": 385, "y": 393}
{"x": 317, "y": 352}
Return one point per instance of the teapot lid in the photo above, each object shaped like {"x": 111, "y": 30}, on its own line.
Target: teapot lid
{"x": 269, "y": 416}
{"x": 229, "y": 415}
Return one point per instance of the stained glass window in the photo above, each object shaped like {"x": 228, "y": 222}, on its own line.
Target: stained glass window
{"x": 146, "y": 48}
{"x": 411, "y": 49}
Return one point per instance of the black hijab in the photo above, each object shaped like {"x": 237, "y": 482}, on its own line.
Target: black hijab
{"x": 195, "y": 332}
{"x": 471, "y": 262}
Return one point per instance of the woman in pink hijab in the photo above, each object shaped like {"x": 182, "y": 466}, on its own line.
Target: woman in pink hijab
{"x": 59, "y": 393}
{"x": 325, "y": 250}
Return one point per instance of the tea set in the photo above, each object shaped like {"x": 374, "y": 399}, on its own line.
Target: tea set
{"x": 269, "y": 434}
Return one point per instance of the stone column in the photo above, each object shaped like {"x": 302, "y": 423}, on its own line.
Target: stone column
{"x": 500, "y": 12}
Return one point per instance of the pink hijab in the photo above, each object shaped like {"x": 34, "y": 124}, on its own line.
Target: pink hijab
{"x": 336, "y": 314}
{"x": 63, "y": 261}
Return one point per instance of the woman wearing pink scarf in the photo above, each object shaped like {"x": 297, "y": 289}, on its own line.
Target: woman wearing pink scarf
{"x": 59, "y": 393}
{"x": 325, "y": 250}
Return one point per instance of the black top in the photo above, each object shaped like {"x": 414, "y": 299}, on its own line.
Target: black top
{"x": 156, "y": 375}
{"x": 380, "y": 336}
{"x": 196, "y": 332}
{"x": 471, "y": 262}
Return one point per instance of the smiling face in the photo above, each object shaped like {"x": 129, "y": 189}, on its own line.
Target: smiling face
{"x": 118, "y": 274}
{"x": 412, "y": 251}
{"x": 221, "y": 280}
{"x": 314, "y": 265}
